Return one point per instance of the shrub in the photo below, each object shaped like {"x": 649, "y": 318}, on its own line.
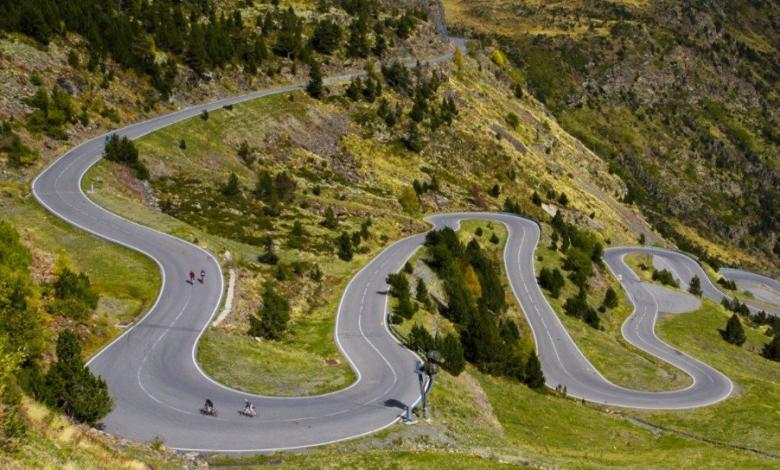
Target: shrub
{"x": 665, "y": 277}
{"x": 231, "y": 187}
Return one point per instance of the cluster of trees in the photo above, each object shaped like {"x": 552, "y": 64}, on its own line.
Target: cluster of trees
{"x": 271, "y": 320}
{"x": 552, "y": 280}
{"x": 735, "y": 306}
{"x": 201, "y": 35}
{"x": 12, "y": 147}
{"x": 734, "y": 332}
{"x": 275, "y": 190}
{"x": 448, "y": 345}
{"x": 74, "y": 296}
{"x": 122, "y": 150}
{"x": 67, "y": 385}
{"x": 476, "y": 305}
{"x": 51, "y": 112}
{"x": 582, "y": 252}
{"x": 665, "y": 277}
{"x": 400, "y": 289}
{"x": 426, "y": 108}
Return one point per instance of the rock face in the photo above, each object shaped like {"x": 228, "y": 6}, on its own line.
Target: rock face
{"x": 68, "y": 86}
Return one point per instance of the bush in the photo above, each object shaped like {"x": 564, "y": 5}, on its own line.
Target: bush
{"x": 665, "y": 277}
{"x": 71, "y": 387}
{"x": 272, "y": 318}
{"x": 409, "y": 200}
{"x": 11, "y": 145}
{"x": 231, "y": 187}
{"x": 552, "y": 280}
{"x": 513, "y": 120}
{"x": 330, "y": 221}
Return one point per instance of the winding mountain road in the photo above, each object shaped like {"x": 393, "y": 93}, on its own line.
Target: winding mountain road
{"x": 158, "y": 386}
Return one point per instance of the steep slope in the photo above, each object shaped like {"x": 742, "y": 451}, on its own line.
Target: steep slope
{"x": 680, "y": 98}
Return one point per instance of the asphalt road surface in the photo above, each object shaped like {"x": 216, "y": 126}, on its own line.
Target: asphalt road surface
{"x": 158, "y": 387}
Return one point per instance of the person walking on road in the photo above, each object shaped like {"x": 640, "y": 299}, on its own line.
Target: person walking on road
{"x": 202, "y": 275}
{"x": 192, "y": 277}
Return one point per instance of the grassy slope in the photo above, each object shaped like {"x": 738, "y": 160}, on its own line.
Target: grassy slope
{"x": 277, "y": 128}
{"x": 477, "y": 414}
{"x": 52, "y": 441}
{"x": 126, "y": 281}
{"x": 608, "y": 351}
{"x": 481, "y": 421}
{"x": 749, "y": 417}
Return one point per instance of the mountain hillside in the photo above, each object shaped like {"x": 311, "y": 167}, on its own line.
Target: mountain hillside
{"x": 680, "y": 98}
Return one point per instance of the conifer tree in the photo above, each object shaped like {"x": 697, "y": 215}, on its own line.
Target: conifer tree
{"x": 315, "y": 87}
{"x": 534, "y": 376}
{"x": 271, "y": 321}
{"x": 70, "y": 386}
{"x": 772, "y": 349}
{"x": 734, "y": 333}
{"x": 231, "y": 187}
{"x": 344, "y": 247}
{"x": 695, "y": 286}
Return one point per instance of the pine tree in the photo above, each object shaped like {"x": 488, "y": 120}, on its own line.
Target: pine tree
{"x": 232, "y": 187}
{"x": 610, "y": 298}
{"x": 326, "y": 37}
{"x": 315, "y": 87}
{"x": 695, "y": 286}
{"x": 344, "y": 246}
{"x": 452, "y": 352}
{"x": 772, "y": 349}
{"x": 536, "y": 199}
{"x": 330, "y": 221}
{"x": 70, "y": 386}
{"x": 734, "y": 333}
{"x": 422, "y": 295}
{"x": 271, "y": 321}
{"x": 534, "y": 377}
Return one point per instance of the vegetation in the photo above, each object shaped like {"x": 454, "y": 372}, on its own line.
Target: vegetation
{"x": 70, "y": 386}
{"x": 122, "y": 150}
{"x": 273, "y": 316}
{"x": 476, "y": 304}
{"x": 665, "y": 277}
{"x": 674, "y": 159}
{"x": 74, "y": 296}
{"x": 734, "y": 333}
